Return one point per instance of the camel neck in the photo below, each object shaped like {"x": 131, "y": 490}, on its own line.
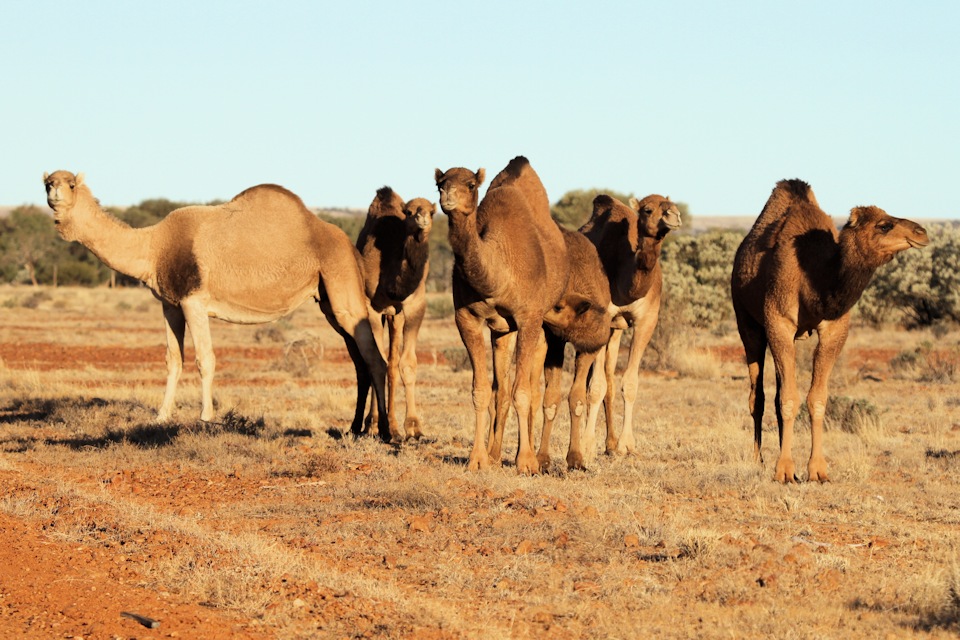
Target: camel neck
{"x": 854, "y": 269}
{"x": 469, "y": 248}
{"x": 119, "y": 246}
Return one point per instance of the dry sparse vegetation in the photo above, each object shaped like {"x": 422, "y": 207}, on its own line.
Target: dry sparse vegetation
{"x": 274, "y": 522}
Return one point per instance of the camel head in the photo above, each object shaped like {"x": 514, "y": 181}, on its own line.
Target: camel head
{"x": 419, "y": 214}
{"x": 878, "y": 236}
{"x": 459, "y": 190}
{"x": 62, "y": 187}
{"x": 657, "y": 215}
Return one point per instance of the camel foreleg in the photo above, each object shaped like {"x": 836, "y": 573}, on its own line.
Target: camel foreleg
{"x": 642, "y": 332}
{"x": 832, "y": 336}
{"x": 413, "y": 318}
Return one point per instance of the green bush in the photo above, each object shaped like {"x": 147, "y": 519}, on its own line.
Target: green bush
{"x": 920, "y": 287}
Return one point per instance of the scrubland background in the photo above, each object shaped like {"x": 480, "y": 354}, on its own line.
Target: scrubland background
{"x": 274, "y": 522}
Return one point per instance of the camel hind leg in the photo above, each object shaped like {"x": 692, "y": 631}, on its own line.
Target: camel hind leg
{"x": 346, "y": 309}
{"x": 176, "y": 326}
{"x": 195, "y": 314}
{"x": 754, "y": 341}
{"x": 788, "y": 399}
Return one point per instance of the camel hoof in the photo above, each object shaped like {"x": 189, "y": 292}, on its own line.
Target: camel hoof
{"x": 413, "y": 428}
{"x": 817, "y": 471}
{"x": 786, "y": 472}
{"x": 575, "y": 461}
{"x": 478, "y": 462}
{"x": 543, "y": 460}
{"x": 625, "y": 449}
{"x": 528, "y": 465}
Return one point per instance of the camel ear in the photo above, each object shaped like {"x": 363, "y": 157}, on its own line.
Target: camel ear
{"x": 634, "y": 204}
{"x": 854, "y": 217}
{"x": 481, "y": 174}
{"x": 437, "y": 174}
{"x": 45, "y": 176}
{"x": 436, "y": 210}
{"x": 80, "y": 177}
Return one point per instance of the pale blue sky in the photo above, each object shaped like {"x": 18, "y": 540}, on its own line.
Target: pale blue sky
{"x": 708, "y": 102}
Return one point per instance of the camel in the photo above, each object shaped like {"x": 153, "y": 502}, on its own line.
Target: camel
{"x": 584, "y": 317}
{"x": 628, "y": 240}
{"x": 794, "y": 274}
{"x": 251, "y": 260}
{"x": 395, "y": 250}
{"x": 510, "y": 269}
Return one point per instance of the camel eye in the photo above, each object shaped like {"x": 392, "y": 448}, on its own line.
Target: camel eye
{"x": 472, "y": 186}
{"x": 885, "y": 226}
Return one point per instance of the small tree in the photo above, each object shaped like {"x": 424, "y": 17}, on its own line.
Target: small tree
{"x": 27, "y": 241}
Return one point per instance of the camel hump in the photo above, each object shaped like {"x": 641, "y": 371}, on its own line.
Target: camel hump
{"x": 520, "y": 174}
{"x": 386, "y": 203}
{"x": 796, "y": 190}
{"x": 268, "y": 194}
{"x": 513, "y": 172}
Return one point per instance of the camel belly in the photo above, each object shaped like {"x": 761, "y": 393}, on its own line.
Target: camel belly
{"x": 254, "y": 305}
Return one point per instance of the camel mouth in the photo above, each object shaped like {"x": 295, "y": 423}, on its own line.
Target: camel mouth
{"x": 918, "y": 244}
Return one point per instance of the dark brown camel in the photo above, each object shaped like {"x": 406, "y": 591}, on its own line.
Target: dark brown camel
{"x": 394, "y": 246}
{"x": 794, "y": 274}
{"x": 510, "y": 269}
{"x": 628, "y": 240}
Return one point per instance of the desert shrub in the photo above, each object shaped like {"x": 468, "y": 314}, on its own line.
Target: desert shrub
{"x": 850, "y": 415}
{"x": 35, "y": 299}
{"x": 926, "y": 364}
{"x": 269, "y": 333}
{"x": 440, "y": 307}
{"x": 696, "y": 277}
{"x": 919, "y": 287}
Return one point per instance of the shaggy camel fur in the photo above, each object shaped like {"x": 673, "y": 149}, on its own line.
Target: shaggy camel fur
{"x": 510, "y": 269}
{"x": 395, "y": 247}
{"x": 794, "y": 274}
{"x": 251, "y": 260}
{"x": 628, "y": 239}
{"x": 583, "y": 317}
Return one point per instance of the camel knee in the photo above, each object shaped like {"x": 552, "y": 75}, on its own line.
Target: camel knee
{"x": 550, "y": 412}
{"x": 206, "y": 364}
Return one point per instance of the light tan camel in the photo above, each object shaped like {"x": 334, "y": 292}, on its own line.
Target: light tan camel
{"x": 251, "y": 260}
{"x": 510, "y": 269}
{"x": 628, "y": 240}
{"x": 584, "y": 318}
{"x": 395, "y": 248}
{"x": 794, "y": 274}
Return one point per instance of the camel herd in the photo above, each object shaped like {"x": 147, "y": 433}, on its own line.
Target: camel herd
{"x": 533, "y": 284}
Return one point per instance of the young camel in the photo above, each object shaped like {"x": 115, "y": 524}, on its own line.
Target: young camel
{"x": 251, "y": 260}
{"x": 628, "y": 240}
{"x": 794, "y": 274}
{"x": 394, "y": 245}
{"x": 510, "y": 269}
{"x": 583, "y": 317}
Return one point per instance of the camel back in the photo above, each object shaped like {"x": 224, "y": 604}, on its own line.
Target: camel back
{"x": 518, "y": 173}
